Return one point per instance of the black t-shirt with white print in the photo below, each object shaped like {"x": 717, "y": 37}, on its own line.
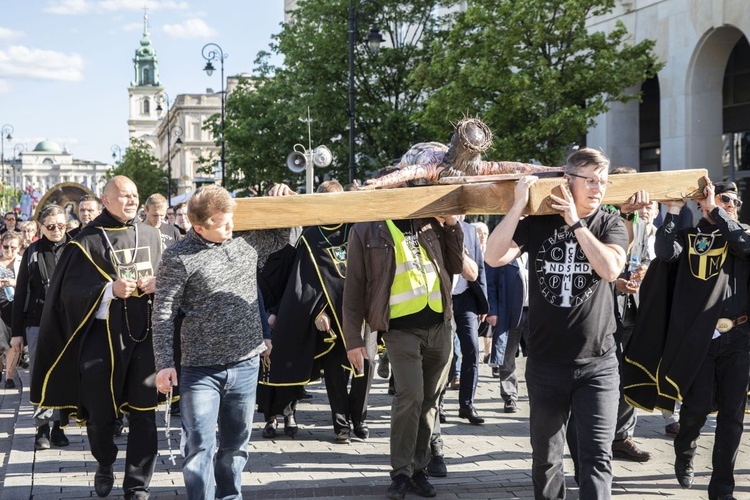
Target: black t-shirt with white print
{"x": 571, "y": 311}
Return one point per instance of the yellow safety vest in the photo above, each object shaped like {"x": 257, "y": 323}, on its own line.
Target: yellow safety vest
{"x": 416, "y": 284}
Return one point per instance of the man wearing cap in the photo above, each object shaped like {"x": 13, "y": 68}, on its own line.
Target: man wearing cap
{"x": 712, "y": 362}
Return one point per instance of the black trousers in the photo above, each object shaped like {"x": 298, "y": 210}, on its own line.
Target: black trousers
{"x": 346, "y": 404}
{"x": 721, "y": 384}
{"x": 100, "y": 399}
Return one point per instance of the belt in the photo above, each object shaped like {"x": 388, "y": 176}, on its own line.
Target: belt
{"x": 723, "y": 325}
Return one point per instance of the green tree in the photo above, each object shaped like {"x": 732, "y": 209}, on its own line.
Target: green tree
{"x": 533, "y": 71}
{"x": 263, "y": 116}
{"x": 141, "y": 166}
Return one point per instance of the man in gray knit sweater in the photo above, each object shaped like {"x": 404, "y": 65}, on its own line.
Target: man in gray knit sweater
{"x": 211, "y": 277}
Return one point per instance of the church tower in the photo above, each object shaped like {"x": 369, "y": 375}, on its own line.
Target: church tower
{"x": 143, "y": 116}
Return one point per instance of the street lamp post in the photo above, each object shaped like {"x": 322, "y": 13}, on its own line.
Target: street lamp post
{"x": 374, "y": 39}
{"x": 163, "y": 97}
{"x": 215, "y": 53}
{"x": 5, "y": 135}
{"x": 116, "y": 153}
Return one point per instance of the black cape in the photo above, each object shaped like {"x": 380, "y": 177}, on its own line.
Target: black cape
{"x": 316, "y": 285}
{"x": 680, "y": 303}
{"x": 77, "y": 286}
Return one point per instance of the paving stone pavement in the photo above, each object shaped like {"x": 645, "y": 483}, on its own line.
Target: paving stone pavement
{"x": 484, "y": 461}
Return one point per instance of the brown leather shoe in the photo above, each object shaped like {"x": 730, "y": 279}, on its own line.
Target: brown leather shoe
{"x": 628, "y": 450}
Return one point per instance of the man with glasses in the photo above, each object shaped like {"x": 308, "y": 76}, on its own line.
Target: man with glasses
{"x": 573, "y": 259}
{"x": 89, "y": 208}
{"x": 170, "y": 216}
{"x": 705, "y": 349}
{"x": 181, "y": 219}
{"x": 95, "y": 354}
{"x": 37, "y": 266}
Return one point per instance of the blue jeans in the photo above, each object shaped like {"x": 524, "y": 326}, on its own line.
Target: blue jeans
{"x": 211, "y": 395}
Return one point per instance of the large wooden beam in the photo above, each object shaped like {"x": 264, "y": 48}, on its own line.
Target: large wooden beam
{"x": 468, "y": 198}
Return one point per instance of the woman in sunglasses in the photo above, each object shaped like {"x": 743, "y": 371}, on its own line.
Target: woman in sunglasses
{"x": 36, "y": 269}
{"x": 9, "y": 265}
{"x": 10, "y": 221}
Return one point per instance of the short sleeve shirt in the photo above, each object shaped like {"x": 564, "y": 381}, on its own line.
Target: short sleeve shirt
{"x": 571, "y": 308}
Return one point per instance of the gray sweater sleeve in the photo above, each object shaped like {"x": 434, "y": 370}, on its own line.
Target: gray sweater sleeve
{"x": 266, "y": 241}
{"x": 170, "y": 283}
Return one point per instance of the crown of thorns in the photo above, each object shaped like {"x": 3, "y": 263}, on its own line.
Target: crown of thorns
{"x": 466, "y": 130}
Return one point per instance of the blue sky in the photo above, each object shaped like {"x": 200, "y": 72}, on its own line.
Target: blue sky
{"x": 65, "y": 65}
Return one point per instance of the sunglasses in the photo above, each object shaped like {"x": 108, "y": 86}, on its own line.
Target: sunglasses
{"x": 10, "y": 219}
{"x": 8, "y": 247}
{"x": 52, "y": 227}
{"x": 728, "y": 199}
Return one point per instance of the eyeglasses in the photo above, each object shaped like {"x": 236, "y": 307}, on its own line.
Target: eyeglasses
{"x": 8, "y": 247}
{"x": 10, "y": 219}
{"x": 170, "y": 213}
{"x": 592, "y": 182}
{"x": 52, "y": 227}
{"x": 728, "y": 199}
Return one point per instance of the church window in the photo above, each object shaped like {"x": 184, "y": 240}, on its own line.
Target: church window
{"x": 146, "y": 107}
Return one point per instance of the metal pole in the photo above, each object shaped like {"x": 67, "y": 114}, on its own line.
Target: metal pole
{"x": 169, "y": 157}
{"x": 352, "y": 130}
{"x": 223, "y": 99}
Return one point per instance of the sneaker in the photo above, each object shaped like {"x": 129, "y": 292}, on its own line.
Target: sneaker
{"x": 41, "y": 441}
{"x": 511, "y": 406}
{"x": 421, "y": 486}
{"x": 627, "y": 449}
{"x": 343, "y": 437}
{"x": 437, "y": 467}
{"x": 672, "y": 429}
{"x": 398, "y": 487}
{"x": 58, "y": 437}
{"x": 10, "y": 384}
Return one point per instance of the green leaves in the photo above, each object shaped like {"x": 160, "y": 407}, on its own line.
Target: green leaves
{"x": 142, "y": 167}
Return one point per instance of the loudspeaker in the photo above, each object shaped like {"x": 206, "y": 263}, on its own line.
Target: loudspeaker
{"x": 296, "y": 162}
{"x": 322, "y": 156}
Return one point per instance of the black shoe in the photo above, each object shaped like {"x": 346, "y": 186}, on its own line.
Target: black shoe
{"x": 41, "y": 442}
{"x": 343, "y": 437}
{"x": 269, "y": 431}
{"x": 436, "y": 467}
{"x": 290, "y": 425}
{"x": 727, "y": 496}
{"x": 10, "y": 384}
{"x": 442, "y": 416}
{"x": 58, "y": 437}
{"x": 119, "y": 428}
{"x": 511, "y": 406}
{"x": 421, "y": 486}
{"x": 306, "y": 395}
{"x": 683, "y": 470}
{"x": 471, "y": 415}
{"x": 361, "y": 430}
{"x": 137, "y": 495}
{"x": 495, "y": 372}
{"x": 104, "y": 479}
{"x": 398, "y": 487}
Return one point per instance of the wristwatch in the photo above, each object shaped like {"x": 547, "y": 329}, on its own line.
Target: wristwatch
{"x": 631, "y": 216}
{"x": 579, "y": 224}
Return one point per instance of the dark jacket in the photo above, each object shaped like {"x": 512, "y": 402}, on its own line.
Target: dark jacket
{"x": 371, "y": 267}
{"x": 37, "y": 266}
{"x": 478, "y": 287}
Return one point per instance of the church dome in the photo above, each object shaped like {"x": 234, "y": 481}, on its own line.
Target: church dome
{"x": 47, "y": 146}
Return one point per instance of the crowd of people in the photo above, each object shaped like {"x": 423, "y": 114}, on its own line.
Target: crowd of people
{"x": 116, "y": 315}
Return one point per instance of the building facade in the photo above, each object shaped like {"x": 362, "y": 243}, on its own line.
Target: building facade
{"x": 696, "y": 112}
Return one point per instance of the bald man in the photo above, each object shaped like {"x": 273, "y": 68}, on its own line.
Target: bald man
{"x": 95, "y": 355}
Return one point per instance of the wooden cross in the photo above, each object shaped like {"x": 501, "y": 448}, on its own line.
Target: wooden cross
{"x": 493, "y": 197}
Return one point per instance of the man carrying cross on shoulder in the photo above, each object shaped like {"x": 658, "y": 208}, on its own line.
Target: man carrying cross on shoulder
{"x": 574, "y": 258}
